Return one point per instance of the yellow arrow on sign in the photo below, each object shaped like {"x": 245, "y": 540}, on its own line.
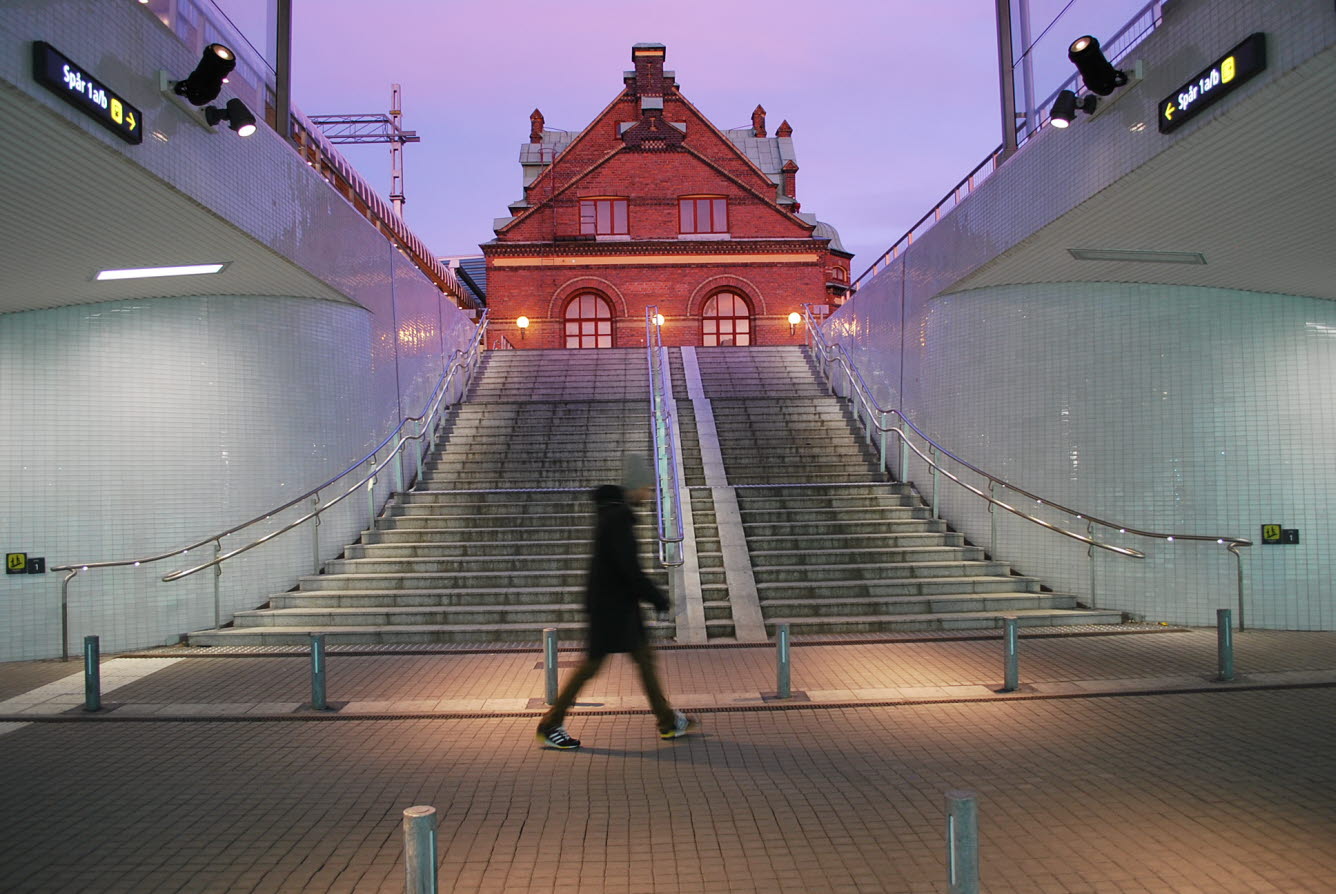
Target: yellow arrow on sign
{"x": 1169, "y": 112}
{"x": 130, "y": 119}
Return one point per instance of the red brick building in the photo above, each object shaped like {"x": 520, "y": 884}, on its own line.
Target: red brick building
{"x": 651, "y": 204}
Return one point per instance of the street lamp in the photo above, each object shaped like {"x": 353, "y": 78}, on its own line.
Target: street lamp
{"x": 658, "y": 319}
{"x": 523, "y": 324}
{"x": 794, "y": 320}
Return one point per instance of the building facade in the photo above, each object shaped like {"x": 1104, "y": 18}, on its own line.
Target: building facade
{"x": 652, "y": 205}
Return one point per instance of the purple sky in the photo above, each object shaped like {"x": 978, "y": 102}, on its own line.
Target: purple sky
{"x": 891, "y": 101}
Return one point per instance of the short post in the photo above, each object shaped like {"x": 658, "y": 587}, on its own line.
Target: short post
{"x": 962, "y": 842}
{"x": 1224, "y": 644}
{"x": 932, "y": 452}
{"x": 315, "y": 535}
{"x": 881, "y": 429}
{"x": 318, "y": 672}
{"x": 782, "y": 676}
{"x": 550, "y": 665}
{"x": 92, "y": 675}
{"x": 371, "y": 497}
{"x": 420, "y": 850}
{"x": 417, "y": 452}
{"x": 398, "y": 463}
{"x": 1009, "y": 650}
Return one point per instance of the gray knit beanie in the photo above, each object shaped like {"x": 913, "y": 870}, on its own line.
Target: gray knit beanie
{"x": 636, "y": 472}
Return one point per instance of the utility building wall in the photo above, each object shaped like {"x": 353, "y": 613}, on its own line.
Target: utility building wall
{"x": 1189, "y": 399}
{"x": 141, "y": 424}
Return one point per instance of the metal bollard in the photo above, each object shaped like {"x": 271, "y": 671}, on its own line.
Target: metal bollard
{"x": 962, "y": 842}
{"x": 550, "y": 665}
{"x": 1224, "y": 644}
{"x": 420, "y": 850}
{"x": 1010, "y": 653}
{"x": 782, "y": 689}
{"x": 92, "y": 675}
{"x": 318, "y": 672}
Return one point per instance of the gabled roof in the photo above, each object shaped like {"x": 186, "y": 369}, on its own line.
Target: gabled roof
{"x": 767, "y": 153}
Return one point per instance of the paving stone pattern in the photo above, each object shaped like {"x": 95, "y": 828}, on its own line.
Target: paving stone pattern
{"x": 1148, "y": 794}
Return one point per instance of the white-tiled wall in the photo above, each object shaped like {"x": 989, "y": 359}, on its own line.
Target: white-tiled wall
{"x": 140, "y": 426}
{"x": 136, "y": 427}
{"x": 1165, "y": 408}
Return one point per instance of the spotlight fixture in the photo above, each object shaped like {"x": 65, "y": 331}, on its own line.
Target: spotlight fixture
{"x": 237, "y": 116}
{"x": 201, "y": 87}
{"x": 1099, "y": 76}
{"x": 1065, "y": 106}
{"x": 523, "y": 324}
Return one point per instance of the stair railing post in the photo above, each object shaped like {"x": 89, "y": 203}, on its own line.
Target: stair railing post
{"x": 418, "y": 444}
{"x": 881, "y": 431}
{"x": 371, "y": 496}
{"x": 992, "y": 521}
{"x": 904, "y": 451}
{"x": 932, "y": 452}
{"x": 315, "y": 535}
{"x": 217, "y": 586}
{"x": 420, "y": 850}
{"x": 1090, "y": 554}
{"x": 398, "y": 454}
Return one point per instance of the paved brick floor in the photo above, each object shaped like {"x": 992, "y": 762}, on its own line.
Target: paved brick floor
{"x": 1211, "y": 791}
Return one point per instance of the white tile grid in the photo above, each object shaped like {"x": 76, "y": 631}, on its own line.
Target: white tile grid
{"x": 149, "y": 424}
{"x": 993, "y": 371}
{"x": 1171, "y": 409}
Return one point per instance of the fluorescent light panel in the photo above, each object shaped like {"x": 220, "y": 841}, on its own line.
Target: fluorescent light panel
{"x": 1146, "y": 257}
{"x": 142, "y": 272}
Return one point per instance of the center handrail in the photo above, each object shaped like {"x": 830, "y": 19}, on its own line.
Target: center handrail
{"x": 875, "y": 417}
{"x": 426, "y": 421}
{"x": 665, "y": 452}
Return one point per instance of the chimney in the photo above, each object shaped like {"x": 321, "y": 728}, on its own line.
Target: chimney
{"x": 536, "y": 127}
{"x": 784, "y": 130}
{"x": 648, "y": 59}
{"x": 758, "y": 123}
{"x": 790, "y": 174}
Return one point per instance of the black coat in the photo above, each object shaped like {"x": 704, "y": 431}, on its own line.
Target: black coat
{"x": 616, "y": 584}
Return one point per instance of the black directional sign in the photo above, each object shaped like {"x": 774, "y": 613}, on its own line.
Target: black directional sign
{"x": 1214, "y": 83}
{"x": 72, "y": 83}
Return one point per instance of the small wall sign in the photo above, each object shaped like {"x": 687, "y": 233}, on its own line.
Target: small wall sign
{"x": 1212, "y": 84}
{"x": 58, "y": 73}
{"x": 1275, "y": 534}
{"x": 16, "y": 563}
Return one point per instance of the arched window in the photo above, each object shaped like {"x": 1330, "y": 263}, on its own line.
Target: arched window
{"x": 726, "y": 320}
{"x": 588, "y": 322}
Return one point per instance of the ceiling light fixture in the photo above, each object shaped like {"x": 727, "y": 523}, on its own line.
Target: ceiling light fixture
{"x": 144, "y": 272}
{"x": 1145, "y": 257}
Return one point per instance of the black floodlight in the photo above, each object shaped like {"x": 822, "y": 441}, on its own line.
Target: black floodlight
{"x": 237, "y": 116}
{"x": 204, "y": 83}
{"x": 1099, "y": 76}
{"x": 1065, "y": 106}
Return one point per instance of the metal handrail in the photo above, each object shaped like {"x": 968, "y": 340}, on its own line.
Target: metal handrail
{"x": 876, "y": 415}
{"x": 665, "y": 453}
{"x": 993, "y": 159}
{"x": 466, "y": 360}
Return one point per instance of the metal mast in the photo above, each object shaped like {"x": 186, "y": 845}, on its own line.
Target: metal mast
{"x": 375, "y": 128}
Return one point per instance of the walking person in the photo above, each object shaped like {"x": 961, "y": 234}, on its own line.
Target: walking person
{"x": 616, "y": 586}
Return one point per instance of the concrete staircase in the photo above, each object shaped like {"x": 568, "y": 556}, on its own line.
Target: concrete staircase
{"x": 494, "y": 542}
{"x": 834, "y": 547}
